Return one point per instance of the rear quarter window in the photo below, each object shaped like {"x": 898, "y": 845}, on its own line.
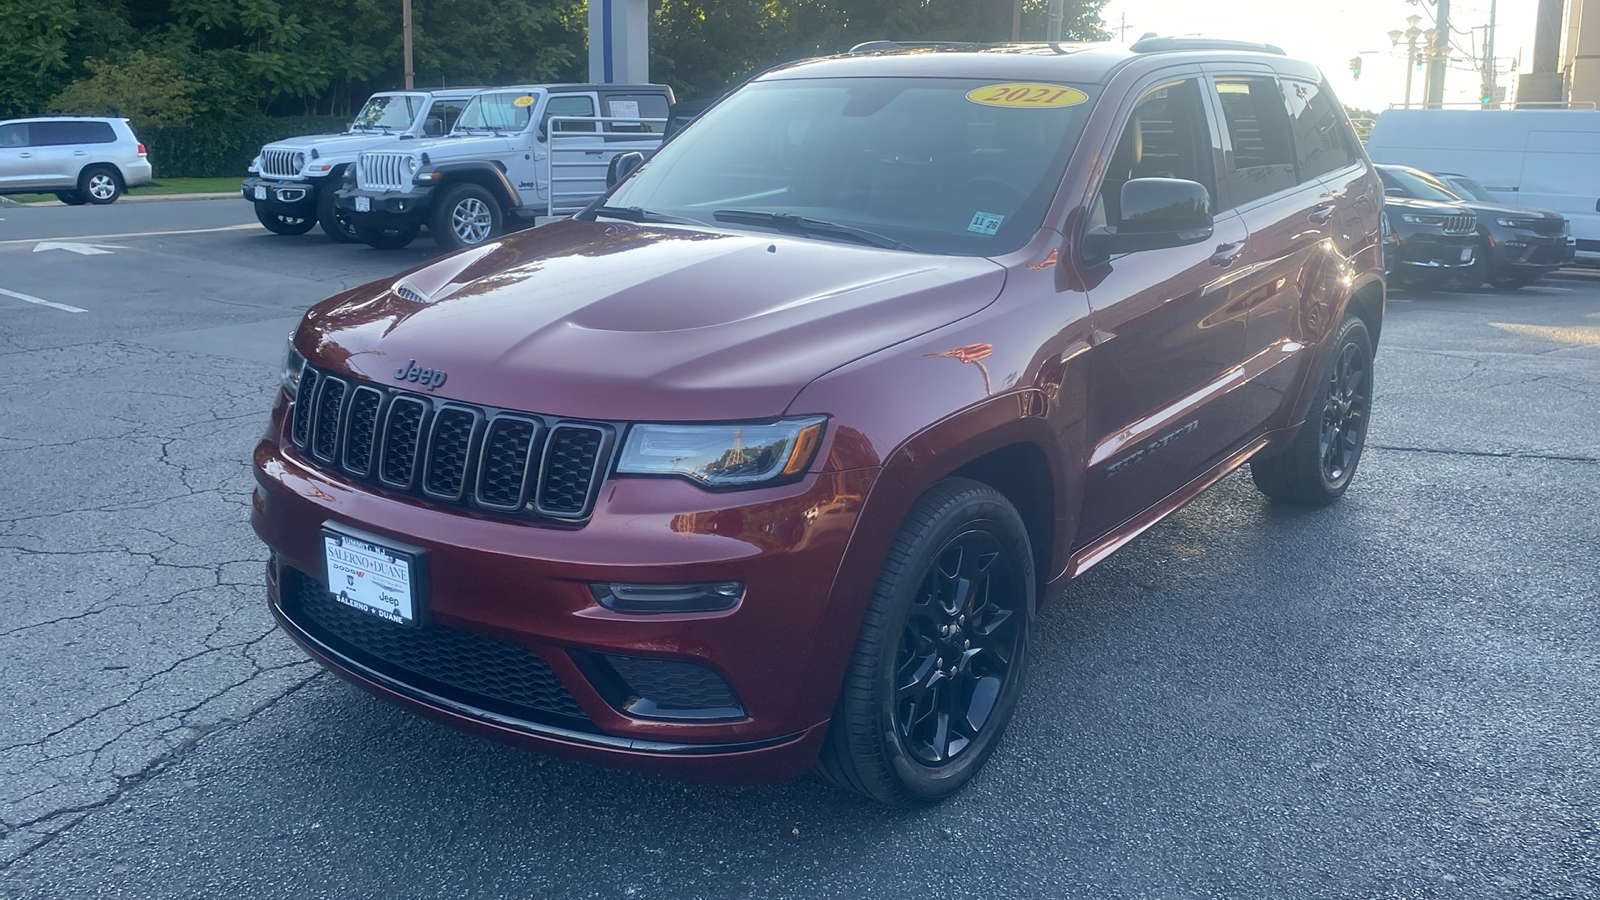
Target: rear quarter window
{"x": 1323, "y": 143}
{"x": 644, "y": 106}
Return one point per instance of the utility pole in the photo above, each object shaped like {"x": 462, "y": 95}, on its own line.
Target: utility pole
{"x": 405, "y": 26}
{"x": 1439, "y": 54}
{"x": 1016, "y": 21}
{"x": 1057, "y": 14}
{"x": 1488, "y": 61}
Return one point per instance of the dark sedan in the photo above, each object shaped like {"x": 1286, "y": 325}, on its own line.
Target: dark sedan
{"x": 1515, "y": 246}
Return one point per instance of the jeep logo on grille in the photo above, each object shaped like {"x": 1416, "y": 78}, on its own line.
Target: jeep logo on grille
{"x": 428, "y": 378}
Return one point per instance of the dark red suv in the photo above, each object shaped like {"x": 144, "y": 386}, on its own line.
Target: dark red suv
{"x": 769, "y": 461}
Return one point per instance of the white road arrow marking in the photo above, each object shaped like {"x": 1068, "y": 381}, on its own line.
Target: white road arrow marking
{"x": 27, "y": 299}
{"x": 80, "y": 249}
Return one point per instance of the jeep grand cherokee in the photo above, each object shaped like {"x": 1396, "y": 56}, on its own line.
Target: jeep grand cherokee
{"x": 768, "y": 459}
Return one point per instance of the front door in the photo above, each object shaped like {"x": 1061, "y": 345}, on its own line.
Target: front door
{"x": 16, "y": 156}
{"x": 1167, "y": 334}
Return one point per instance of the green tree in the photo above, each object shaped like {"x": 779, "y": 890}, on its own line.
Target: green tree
{"x": 152, "y": 91}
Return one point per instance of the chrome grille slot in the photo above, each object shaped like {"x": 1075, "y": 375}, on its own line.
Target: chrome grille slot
{"x": 503, "y": 461}
{"x": 382, "y": 172}
{"x": 279, "y": 163}
{"x": 1460, "y": 224}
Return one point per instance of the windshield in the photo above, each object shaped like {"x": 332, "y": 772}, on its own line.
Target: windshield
{"x": 387, "y": 111}
{"x": 507, "y": 112}
{"x": 960, "y": 166}
{"x": 1417, "y": 184}
{"x": 1471, "y": 189}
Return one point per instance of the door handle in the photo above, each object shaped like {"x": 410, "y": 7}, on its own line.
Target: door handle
{"x": 1321, "y": 214}
{"x": 30, "y": 156}
{"x": 1227, "y": 253}
{"x": 80, "y": 153}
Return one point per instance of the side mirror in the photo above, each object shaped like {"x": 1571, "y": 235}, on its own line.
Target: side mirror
{"x": 433, "y": 126}
{"x": 1156, "y": 213}
{"x": 622, "y": 165}
{"x": 1394, "y": 192}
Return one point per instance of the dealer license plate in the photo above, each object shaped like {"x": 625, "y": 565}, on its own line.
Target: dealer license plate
{"x": 261, "y": 192}
{"x": 371, "y": 577}
{"x": 1466, "y": 254}
{"x": 363, "y": 204}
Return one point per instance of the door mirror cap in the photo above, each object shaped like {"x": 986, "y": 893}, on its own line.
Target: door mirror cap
{"x": 622, "y": 165}
{"x": 1394, "y": 192}
{"x": 1156, "y": 213}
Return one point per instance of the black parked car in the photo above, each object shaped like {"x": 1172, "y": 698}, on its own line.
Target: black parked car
{"x": 1515, "y": 246}
{"x": 1427, "y": 244}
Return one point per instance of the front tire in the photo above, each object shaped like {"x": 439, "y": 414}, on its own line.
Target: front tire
{"x": 1317, "y": 466}
{"x": 335, "y": 222}
{"x": 280, "y": 224}
{"x": 387, "y": 238}
{"x": 101, "y": 184}
{"x": 466, "y": 215}
{"x": 72, "y": 198}
{"x": 938, "y": 665}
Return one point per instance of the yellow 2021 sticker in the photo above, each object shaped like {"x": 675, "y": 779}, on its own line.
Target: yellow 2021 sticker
{"x": 522, "y": 101}
{"x": 1027, "y": 96}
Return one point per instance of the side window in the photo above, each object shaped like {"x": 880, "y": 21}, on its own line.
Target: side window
{"x": 1321, "y": 139}
{"x": 14, "y": 135}
{"x": 59, "y": 134}
{"x": 1166, "y": 137}
{"x": 638, "y": 107}
{"x": 570, "y": 105}
{"x": 442, "y": 116}
{"x": 1261, "y": 154}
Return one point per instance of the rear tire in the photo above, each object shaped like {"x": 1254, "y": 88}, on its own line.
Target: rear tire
{"x": 390, "y": 238}
{"x": 1424, "y": 282}
{"x": 102, "y": 185}
{"x": 465, "y": 215}
{"x": 943, "y": 644}
{"x": 335, "y": 222}
{"x": 279, "y": 224}
{"x": 1316, "y": 468}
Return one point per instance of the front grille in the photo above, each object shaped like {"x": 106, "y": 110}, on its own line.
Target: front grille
{"x": 382, "y": 172}
{"x": 280, "y": 163}
{"x": 480, "y": 671}
{"x": 503, "y": 461}
{"x": 1460, "y": 224}
{"x": 1548, "y": 226}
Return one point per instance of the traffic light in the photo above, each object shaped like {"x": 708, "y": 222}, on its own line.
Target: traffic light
{"x": 1355, "y": 67}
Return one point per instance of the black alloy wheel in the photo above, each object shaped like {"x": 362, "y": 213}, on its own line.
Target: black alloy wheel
{"x": 957, "y": 648}
{"x": 1316, "y": 467}
{"x": 335, "y": 222}
{"x": 938, "y": 664}
{"x": 280, "y": 224}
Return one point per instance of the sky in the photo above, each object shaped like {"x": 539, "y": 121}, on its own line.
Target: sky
{"x": 1329, "y": 32}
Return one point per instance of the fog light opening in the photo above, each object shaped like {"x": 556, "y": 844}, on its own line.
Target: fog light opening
{"x": 660, "y": 598}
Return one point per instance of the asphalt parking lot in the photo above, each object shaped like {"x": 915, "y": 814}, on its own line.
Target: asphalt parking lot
{"x": 1392, "y": 697}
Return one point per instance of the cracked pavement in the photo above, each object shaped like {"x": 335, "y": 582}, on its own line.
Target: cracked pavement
{"x": 1394, "y": 697}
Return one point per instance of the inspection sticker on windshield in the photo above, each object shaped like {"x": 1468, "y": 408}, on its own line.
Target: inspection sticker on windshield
{"x": 985, "y": 223}
{"x": 1027, "y": 96}
{"x": 522, "y": 101}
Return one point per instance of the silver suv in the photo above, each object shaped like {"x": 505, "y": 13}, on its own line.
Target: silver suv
{"x": 77, "y": 158}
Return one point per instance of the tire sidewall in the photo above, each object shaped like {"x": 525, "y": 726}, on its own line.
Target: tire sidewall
{"x": 1351, "y": 330}
{"x": 89, "y": 174}
{"x": 441, "y": 225}
{"x": 274, "y": 223}
{"x": 379, "y": 238}
{"x": 335, "y": 224}
{"x": 980, "y": 510}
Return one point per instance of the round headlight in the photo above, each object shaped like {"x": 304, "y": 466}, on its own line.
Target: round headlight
{"x": 412, "y": 165}
{"x": 299, "y": 161}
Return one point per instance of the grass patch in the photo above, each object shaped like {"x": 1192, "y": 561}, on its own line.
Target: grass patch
{"x": 162, "y": 186}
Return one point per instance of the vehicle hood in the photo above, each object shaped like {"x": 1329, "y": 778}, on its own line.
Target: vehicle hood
{"x": 1436, "y": 207}
{"x": 341, "y": 143}
{"x": 616, "y": 321}
{"x": 476, "y": 145}
{"x": 1497, "y": 209}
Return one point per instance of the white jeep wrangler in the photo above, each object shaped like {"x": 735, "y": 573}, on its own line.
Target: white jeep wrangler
{"x": 295, "y": 179}
{"x": 515, "y": 153}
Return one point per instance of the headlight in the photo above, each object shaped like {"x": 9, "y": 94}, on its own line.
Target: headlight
{"x": 723, "y": 456}
{"x": 1416, "y": 219}
{"x": 299, "y": 161}
{"x": 255, "y": 165}
{"x": 293, "y": 362}
{"x": 1516, "y": 223}
{"x": 412, "y": 165}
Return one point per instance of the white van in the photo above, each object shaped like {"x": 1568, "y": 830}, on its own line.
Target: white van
{"x": 1541, "y": 158}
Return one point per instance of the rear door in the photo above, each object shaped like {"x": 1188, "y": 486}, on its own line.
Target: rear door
{"x": 1165, "y": 337}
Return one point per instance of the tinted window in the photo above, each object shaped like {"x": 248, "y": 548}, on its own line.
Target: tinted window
{"x": 56, "y": 134}
{"x": 644, "y": 106}
{"x": 1260, "y": 156}
{"x": 442, "y": 116}
{"x": 1470, "y": 189}
{"x": 14, "y": 135}
{"x": 1166, "y": 137}
{"x": 1413, "y": 183}
{"x": 925, "y": 161}
{"x": 570, "y": 105}
{"x": 1321, "y": 140}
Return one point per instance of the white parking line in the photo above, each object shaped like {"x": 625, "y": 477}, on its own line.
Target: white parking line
{"x": 132, "y": 234}
{"x": 27, "y": 299}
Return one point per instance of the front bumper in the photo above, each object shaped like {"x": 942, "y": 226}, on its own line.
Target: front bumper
{"x": 1526, "y": 251}
{"x": 1422, "y": 250}
{"x": 386, "y": 208}
{"x": 527, "y": 585}
{"x": 282, "y": 196}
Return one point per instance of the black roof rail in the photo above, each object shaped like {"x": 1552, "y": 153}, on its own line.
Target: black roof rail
{"x": 1152, "y": 44}
{"x": 880, "y": 46}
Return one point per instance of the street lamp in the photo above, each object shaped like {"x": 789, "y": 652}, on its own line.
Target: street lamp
{"x": 1411, "y": 34}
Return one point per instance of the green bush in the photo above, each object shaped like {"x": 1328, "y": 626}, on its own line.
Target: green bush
{"x": 221, "y": 147}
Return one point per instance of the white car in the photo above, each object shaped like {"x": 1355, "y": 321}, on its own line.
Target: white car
{"x": 515, "y": 154}
{"x": 80, "y": 159}
{"x": 294, "y": 179}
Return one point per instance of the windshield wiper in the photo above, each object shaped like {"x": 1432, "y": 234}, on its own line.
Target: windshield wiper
{"x": 640, "y": 214}
{"x": 805, "y": 225}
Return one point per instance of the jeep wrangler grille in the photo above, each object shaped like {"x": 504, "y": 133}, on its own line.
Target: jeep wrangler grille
{"x": 279, "y": 164}
{"x": 496, "y": 460}
{"x": 382, "y": 172}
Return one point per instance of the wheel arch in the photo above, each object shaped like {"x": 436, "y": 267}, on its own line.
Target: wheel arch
{"x": 116, "y": 170}
{"x": 483, "y": 174}
{"x": 1367, "y": 304}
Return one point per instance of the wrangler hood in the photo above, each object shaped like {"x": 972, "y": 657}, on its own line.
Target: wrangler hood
{"x": 615, "y": 321}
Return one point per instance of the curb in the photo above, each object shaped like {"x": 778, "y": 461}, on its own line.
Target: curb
{"x": 148, "y": 198}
